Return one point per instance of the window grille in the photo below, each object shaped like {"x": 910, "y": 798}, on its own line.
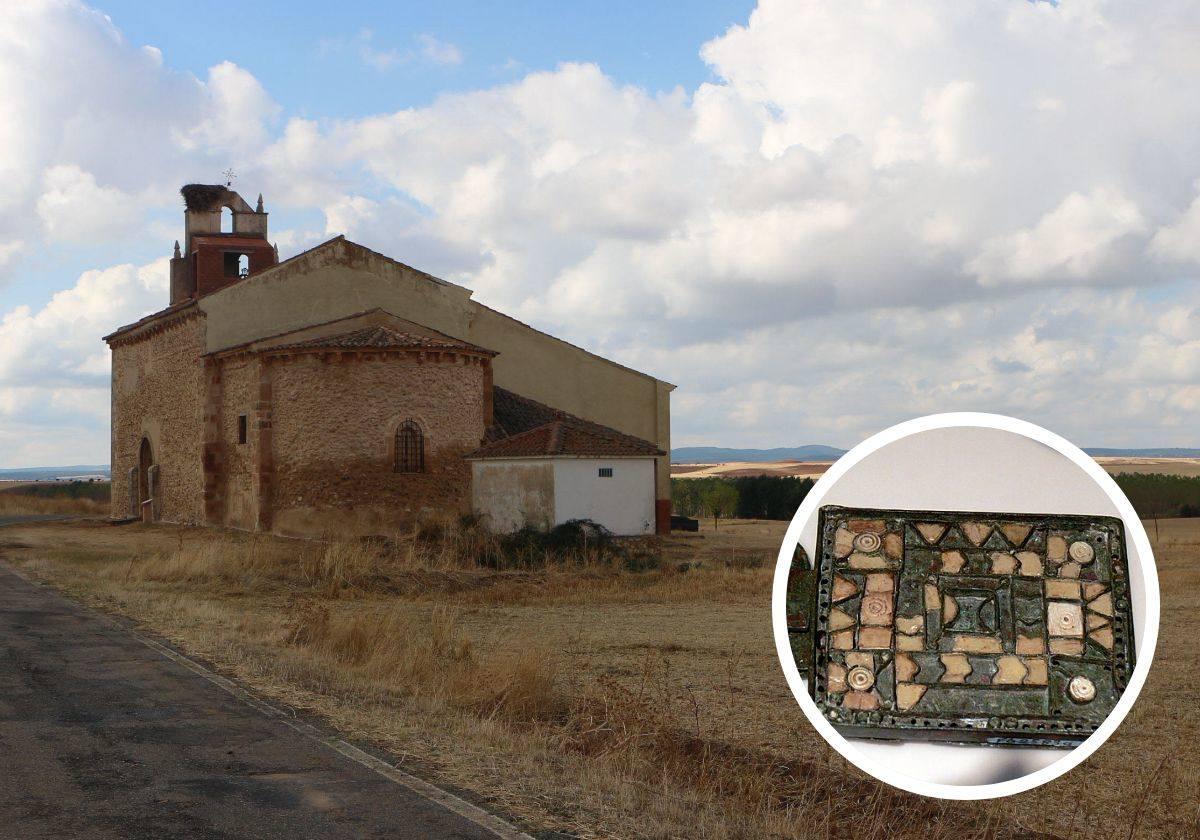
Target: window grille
{"x": 606, "y": 472}
{"x": 410, "y": 448}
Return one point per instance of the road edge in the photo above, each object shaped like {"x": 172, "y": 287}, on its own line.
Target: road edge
{"x": 451, "y": 802}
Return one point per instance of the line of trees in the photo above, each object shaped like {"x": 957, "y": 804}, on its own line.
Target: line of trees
{"x": 742, "y": 497}
{"x": 1153, "y": 495}
{"x": 1160, "y": 496}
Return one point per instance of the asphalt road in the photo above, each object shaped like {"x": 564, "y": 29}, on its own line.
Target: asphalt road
{"x": 102, "y": 736}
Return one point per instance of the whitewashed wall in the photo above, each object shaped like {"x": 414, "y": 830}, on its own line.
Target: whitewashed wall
{"x": 624, "y": 503}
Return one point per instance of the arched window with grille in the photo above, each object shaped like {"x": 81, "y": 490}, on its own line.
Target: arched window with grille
{"x": 410, "y": 448}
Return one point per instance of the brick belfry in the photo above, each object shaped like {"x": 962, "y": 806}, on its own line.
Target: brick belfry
{"x": 211, "y": 258}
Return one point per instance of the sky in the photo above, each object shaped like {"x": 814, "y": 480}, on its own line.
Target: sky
{"x": 816, "y": 219}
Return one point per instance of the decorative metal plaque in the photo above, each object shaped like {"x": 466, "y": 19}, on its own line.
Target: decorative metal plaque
{"x": 971, "y": 627}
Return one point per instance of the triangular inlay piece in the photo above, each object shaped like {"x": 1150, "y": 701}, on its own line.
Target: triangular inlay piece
{"x": 1016, "y": 533}
{"x": 1102, "y": 605}
{"x": 976, "y": 532}
{"x": 843, "y": 588}
{"x": 931, "y": 531}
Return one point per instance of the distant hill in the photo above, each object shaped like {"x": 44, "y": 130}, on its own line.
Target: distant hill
{"x": 54, "y": 473}
{"x": 1144, "y": 453}
{"x": 719, "y": 455}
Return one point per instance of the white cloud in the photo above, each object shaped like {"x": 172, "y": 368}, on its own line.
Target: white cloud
{"x": 872, "y": 210}
{"x": 428, "y": 50}
{"x": 74, "y": 208}
{"x": 1074, "y": 241}
{"x": 439, "y": 52}
{"x": 1180, "y": 240}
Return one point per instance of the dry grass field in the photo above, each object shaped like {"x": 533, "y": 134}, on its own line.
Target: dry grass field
{"x": 33, "y": 497}
{"x": 596, "y": 701}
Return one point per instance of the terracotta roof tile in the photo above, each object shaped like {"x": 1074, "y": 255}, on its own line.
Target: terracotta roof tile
{"x": 525, "y": 428}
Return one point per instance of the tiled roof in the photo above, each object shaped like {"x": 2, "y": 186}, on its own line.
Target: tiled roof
{"x": 380, "y": 338}
{"x": 525, "y": 428}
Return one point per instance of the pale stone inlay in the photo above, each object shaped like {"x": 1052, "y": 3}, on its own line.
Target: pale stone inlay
{"x": 1103, "y": 636}
{"x": 860, "y": 658}
{"x": 1064, "y": 619}
{"x": 1003, "y": 563}
{"x": 949, "y": 609}
{"x": 860, "y": 678}
{"x": 880, "y": 583}
{"x": 1066, "y": 589}
{"x": 952, "y": 562}
{"x": 1091, "y": 589}
{"x": 977, "y": 532}
{"x": 858, "y": 560}
{"x": 977, "y": 644}
{"x": 875, "y": 637}
{"x": 840, "y": 619}
{"x": 1067, "y": 647}
{"x": 864, "y": 701}
{"x": 931, "y": 531}
{"x": 843, "y": 588}
{"x": 893, "y": 545}
{"x": 1056, "y": 549}
{"x": 843, "y": 640}
{"x": 906, "y": 667}
{"x": 1030, "y": 645}
{"x": 933, "y": 600}
{"x": 910, "y": 643}
{"x": 1069, "y": 569}
{"x": 1031, "y": 563}
{"x": 876, "y": 609}
{"x": 1081, "y": 689}
{"x": 957, "y": 667}
{"x": 909, "y": 694}
{"x": 1081, "y": 552}
{"x": 867, "y": 542}
{"x": 843, "y": 542}
{"x": 1102, "y": 605}
{"x": 1016, "y": 532}
{"x": 910, "y": 624}
{"x": 835, "y": 677}
{"x": 1010, "y": 670}
{"x": 1039, "y": 672}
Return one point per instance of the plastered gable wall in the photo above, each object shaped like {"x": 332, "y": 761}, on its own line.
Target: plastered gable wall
{"x": 341, "y": 279}
{"x": 333, "y": 431}
{"x": 157, "y": 392}
{"x": 623, "y": 503}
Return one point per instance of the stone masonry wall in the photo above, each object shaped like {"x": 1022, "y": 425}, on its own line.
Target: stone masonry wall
{"x": 333, "y": 422}
{"x": 238, "y": 396}
{"x": 158, "y": 393}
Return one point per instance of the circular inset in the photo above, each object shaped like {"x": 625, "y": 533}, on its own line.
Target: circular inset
{"x": 867, "y": 543}
{"x": 974, "y": 462}
{"x": 1081, "y": 552}
{"x": 860, "y": 678}
{"x": 1081, "y": 689}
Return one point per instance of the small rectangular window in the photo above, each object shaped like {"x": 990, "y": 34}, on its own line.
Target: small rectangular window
{"x": 241, "y": 428}
{"x": 606, "y": 472}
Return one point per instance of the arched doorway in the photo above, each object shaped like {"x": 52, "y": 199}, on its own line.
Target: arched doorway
{"x": 145, "y": 462}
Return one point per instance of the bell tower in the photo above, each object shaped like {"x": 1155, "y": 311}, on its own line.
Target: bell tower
{"x": 213, "y": 258}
